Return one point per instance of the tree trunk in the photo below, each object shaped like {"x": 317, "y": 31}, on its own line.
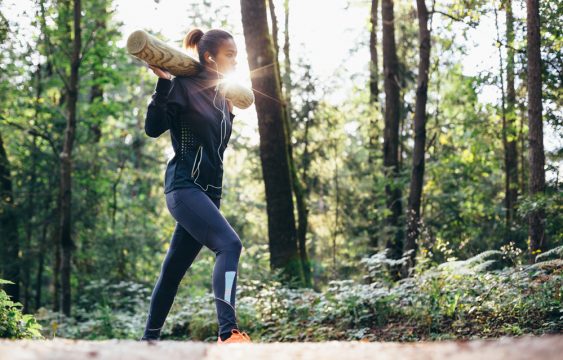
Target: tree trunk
{"x": 286, "y": 80}
{"x": 523, "y": 174}
{"x": 511, "y": 133}
{"x": 298, "y": 183}
{"x": 43, "y": 246}
{"x": 372, "y": 131}
{"x": 504, "y": 135}
{"x": 536, "y": 157}
{"x": 417, "y": 173}
{"x": 41, "y": 263}
{"x": 30, "y": 200}
{"x": 9, "y": 238}
{"x": 67, "y": 244}
{"x": 394, "y": 233}
{"x": 373, "y": 86}
{"x": 374, "y": 71}
{"x": 273, "y": 141}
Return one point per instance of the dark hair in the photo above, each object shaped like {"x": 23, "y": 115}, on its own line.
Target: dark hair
{"x": 208, "y": 41}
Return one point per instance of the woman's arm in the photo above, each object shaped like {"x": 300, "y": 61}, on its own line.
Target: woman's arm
{"x": 167, "y": 101}
{"x": 230, "y": 105}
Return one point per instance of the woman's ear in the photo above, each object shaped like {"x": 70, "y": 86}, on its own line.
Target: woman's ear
{"x": 206, "y": 56}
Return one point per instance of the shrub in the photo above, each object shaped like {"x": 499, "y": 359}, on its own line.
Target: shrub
{"x": 14, "y": 324}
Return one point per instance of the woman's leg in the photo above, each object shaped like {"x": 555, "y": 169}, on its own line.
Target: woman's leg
{"x": 200, "y": 216}
{"x": 181, "y": 254}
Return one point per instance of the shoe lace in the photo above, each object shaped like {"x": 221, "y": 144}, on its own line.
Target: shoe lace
{"x": 243, "y": 334}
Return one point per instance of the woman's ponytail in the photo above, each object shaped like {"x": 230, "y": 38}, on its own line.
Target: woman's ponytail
{"x": 192, "y": 38}
{"x": 210, "y": 41}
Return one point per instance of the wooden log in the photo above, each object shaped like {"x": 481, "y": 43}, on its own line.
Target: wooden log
{"x": 153, "y": 51}
{"x": 241, "y": 96}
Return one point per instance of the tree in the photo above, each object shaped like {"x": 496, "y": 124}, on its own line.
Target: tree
{"x": 394, "y": 237}
{"x": 510, "y": 135}
{"x": 273, "y": 132}
{"x": 373, "y": 81}
{"x": 65, "y": 194}
{"x": 536, "y": 157}
{"x": 417, "y": 173}
{"x": 8, "y": 228}
{"x": 9, "y": 238}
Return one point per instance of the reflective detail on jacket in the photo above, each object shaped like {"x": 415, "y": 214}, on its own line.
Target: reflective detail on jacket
{"x": 198, "y": 130}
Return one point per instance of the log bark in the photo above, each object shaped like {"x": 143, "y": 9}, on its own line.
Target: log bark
{"x": 155, "y": 52}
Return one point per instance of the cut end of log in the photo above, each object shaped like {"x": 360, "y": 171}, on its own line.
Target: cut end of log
{"x": 241, "y": 96}
{"x": 136, "y": 41}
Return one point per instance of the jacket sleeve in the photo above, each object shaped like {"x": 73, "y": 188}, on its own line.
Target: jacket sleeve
{"x": 232, "y": 116}
{"x": 167, "y": 101}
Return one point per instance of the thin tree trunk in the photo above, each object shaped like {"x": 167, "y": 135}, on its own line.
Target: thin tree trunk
{"x": 511, "y": 130}
{"x": 298, "y": 184}
{"x": 504, "y": 130}
{"x": 56, "y": 243}
{"x": 336, "y": 210}
{"x": 374, "y": 71}
{"x": 372, "y": 131}
{"x": 523, "y": 177}
{"x": 67, "y": 244}
{"x": 536, "y": 232}
{"x": 31, "y": 197}
{"x": 27, "y": 261}
{"x": 96, "y": 96}
{"x": 286, "y": 79}
{"x": 42, "y": 251}
{"x": 40, "y": 266}
{"x": 391, "y": 133}
{"x": 9, "y": 238}
{"x": 419, "y": 152}
{"x": 57, "y": 265}
{"x": 273, "y": 131}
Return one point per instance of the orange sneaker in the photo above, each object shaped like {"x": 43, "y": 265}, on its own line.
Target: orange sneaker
{"x": 236, "y": 337}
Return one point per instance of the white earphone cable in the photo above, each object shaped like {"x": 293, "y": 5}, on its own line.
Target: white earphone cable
{"x": 223, "y": 133}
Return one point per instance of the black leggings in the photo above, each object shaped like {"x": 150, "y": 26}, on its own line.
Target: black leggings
{"x": 198, "y": 222}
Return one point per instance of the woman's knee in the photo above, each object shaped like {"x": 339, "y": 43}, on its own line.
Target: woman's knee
{"x": 231, "y": 243}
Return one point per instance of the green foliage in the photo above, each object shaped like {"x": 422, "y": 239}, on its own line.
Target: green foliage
{"x": 459, "y": 299}
{"x": 103, "y": 311}
{"x": 13, "y": 323}
{"x": 121, "y": 229}
{"x": 483, "y": 296}
{"x": 553, "y": 254}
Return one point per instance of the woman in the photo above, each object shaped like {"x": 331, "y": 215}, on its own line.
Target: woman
{"x": 200, "y": 122}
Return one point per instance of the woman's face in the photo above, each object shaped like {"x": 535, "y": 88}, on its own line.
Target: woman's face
{"x": 226, "y": 57}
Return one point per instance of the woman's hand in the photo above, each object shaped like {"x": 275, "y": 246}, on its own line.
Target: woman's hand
{"x": 230, "y": 104}
{"x": 161, "y": 73}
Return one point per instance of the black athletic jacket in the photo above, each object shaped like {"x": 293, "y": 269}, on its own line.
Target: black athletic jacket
{"x": 198, "y": 130}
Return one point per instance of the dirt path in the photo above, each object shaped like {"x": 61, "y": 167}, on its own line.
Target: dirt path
{"x": 525, "y": 347}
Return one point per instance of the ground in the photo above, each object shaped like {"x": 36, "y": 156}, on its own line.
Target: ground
{"x": 525, "y": 347}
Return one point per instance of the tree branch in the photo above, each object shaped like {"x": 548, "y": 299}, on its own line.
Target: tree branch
{"x": 35, "y": 132}
{"x": 454, "y": 18}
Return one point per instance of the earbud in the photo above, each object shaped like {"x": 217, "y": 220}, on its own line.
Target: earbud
{"x": 211, "y": 58}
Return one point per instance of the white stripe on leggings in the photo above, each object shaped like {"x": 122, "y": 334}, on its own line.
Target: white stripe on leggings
{"x": 229, "y": 282}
